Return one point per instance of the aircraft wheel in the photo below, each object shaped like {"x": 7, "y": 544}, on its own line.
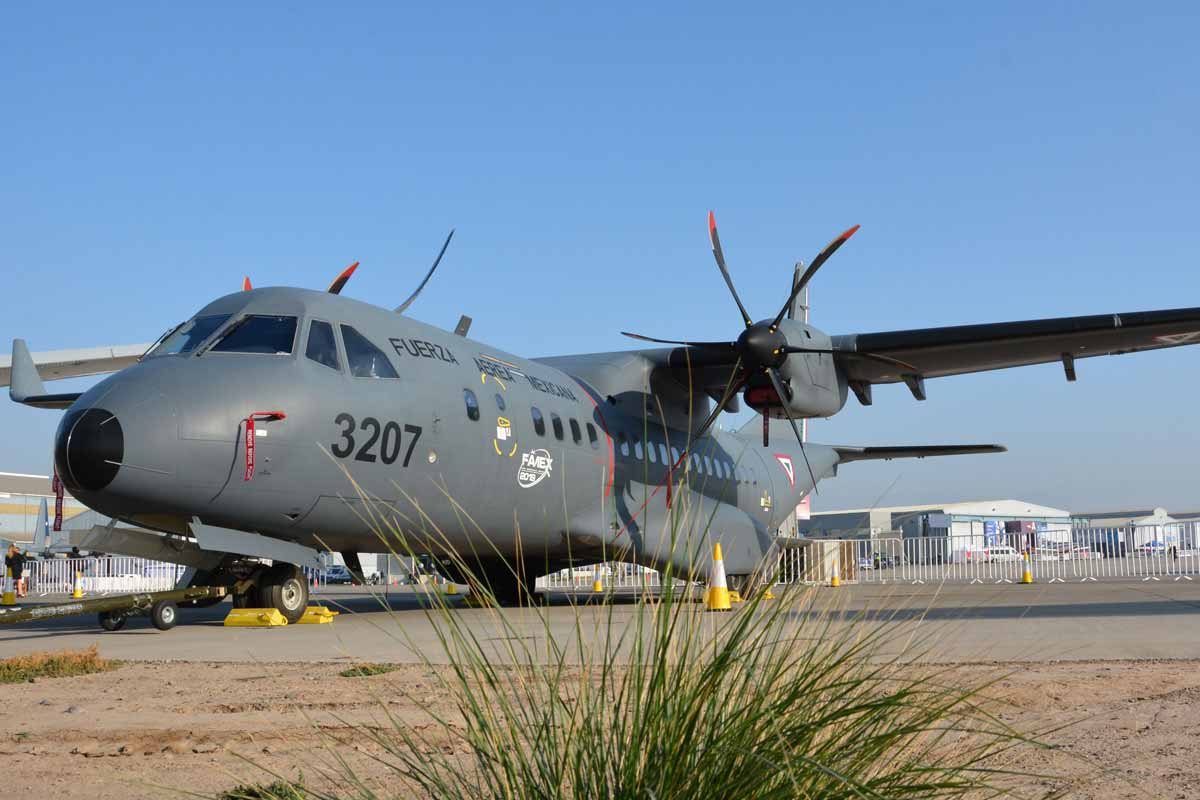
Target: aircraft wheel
{"x": 112, "y": 620}
{"x": 243, "y": 599}
{"x": 164, "y": 614}
{"x": 283, "y": 587}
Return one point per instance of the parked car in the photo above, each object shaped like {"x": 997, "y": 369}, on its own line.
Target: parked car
{"x": 1150, "y": 549}
{"x": 1001, "y": 553}
{"x": 338, "y": 574}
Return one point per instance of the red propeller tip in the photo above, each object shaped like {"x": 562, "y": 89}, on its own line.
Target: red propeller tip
{"x": 246, "y": 284}
{"x": 346, "y": 273}
{"x": 849, "y": 233}
{"x": 712, "y": 222}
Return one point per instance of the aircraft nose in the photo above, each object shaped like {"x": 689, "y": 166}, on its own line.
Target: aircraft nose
{"x": 88, "y": 449}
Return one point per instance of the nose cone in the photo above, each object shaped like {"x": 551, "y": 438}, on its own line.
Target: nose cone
{"x": 89, "y": 449}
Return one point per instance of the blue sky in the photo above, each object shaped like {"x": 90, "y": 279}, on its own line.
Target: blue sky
{"x": 1006, "y": 162}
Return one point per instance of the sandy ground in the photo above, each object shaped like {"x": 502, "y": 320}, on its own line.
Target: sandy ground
{"x": 152, "y": 729}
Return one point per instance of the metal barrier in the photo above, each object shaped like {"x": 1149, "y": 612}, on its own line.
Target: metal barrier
{"x": 613, "y": 575}
{"x": 104, "y": 575}
{"x": 1147, "y": 553}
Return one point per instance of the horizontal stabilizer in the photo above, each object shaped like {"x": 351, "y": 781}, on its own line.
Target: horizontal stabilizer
{"x": 846, "y": 454}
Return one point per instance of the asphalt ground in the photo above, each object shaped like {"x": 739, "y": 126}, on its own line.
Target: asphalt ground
{"x": 952, "y": 622}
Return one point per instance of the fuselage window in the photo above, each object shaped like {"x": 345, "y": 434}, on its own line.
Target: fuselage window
{"x": 592, "y": 438}
{"x": 662, "y": 452}
{"x": 556, "y": 424}
{"x": 322, "y": 348}
{"x": 708, "y": 466}
{"x": 575, "y": 432}
{"x": 472, "y": 404}
{"x": 637, "y": 449}
{"x": 365, "y": 359}
{"x": 539, "y": 422}
{"x": 188, "y": 336}
{"x": 650, "y": 452}
{"x": 674, "y": 455}
{"x": 624, "y": 444}
{"x": 696, "y": 461}
{"x": 500, "y": 401}
{"x": 266, "y": 335}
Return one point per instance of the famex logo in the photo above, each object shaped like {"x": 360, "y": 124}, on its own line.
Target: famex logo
{"x": 535, "y": 466}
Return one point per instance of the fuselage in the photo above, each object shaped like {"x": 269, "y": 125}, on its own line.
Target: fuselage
{"x": 393, "y": 427}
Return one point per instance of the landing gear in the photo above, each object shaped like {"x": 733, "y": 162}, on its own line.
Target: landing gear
{"x": 283, "y": 587}
{"x": 510, "y": 583}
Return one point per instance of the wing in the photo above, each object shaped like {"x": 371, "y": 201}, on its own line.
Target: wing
{"x": 54, "y": 364}
{"x": 936, "y": 352}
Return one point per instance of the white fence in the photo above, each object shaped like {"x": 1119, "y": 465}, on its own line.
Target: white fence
{"x": 613, "y": 576}
{"x": 106, "y": 575}
{"x": 1147, "y": 553}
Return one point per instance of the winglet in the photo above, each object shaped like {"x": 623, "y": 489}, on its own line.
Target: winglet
{"x": 26, "y": 382}
{"x": 340, "y": 280}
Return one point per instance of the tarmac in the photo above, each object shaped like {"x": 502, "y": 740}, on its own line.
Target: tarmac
{"x": 953, "y": 623}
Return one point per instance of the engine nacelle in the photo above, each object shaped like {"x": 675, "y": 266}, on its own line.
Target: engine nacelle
{"x": 818, "y": 388}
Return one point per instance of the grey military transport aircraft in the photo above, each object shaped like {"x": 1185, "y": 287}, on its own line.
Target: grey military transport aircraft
{"x": 228, "y": 443}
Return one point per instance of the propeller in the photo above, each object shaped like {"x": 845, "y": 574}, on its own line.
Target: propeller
{"x": 400, "y": 308}
{"x": 246, "y": 284}
{"x": 340, "y": 281}
{"x": 761, "y": 348}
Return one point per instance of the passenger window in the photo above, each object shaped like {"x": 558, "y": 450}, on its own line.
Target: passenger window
{"x": 499, "y": 401}
{"x": 575, "y": 433}
{"x": 321, "y": 345}
{"x": 696, "y": 462}
{"x": 674, "y": 455}
{"x": 637, "y": 449}
{"x": 624, "y": 444}
{"x": 539, "y": 422}
{"x": 472, "y": 404}
{"x": 592, "y": 438}
{"x": 708, "y": 466}
{"x": 662, "y": 452}
{"x": 556, "y": 424}
{"x": 274, "y": 336}
{"x": 650, "y": 452}
{"x": 365, "y": 359}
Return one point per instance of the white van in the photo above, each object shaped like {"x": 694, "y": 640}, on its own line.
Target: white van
{"x": 1000, "y": 553}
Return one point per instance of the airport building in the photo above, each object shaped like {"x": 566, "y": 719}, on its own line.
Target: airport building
{"x": 975, "y": 524}
{"x": 20, "y": 498}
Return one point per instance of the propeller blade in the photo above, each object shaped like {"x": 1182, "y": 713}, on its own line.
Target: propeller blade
{"x": 340, "y": 280}
{"x": 791, "y": 309}
{"x": 719, "y": 255}
{"x": 778, "y": 384}
{"x": 642, "y": 338}
{"x": 400, "y": 308}
{"x": 821, "y": 258}
{"x": 895, "y": 362}
{"x": 246, "y": 284}
{"x": 736, "y": 382}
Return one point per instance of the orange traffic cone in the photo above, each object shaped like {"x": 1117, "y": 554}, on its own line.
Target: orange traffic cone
{"x": 717, "y": 596}
{"x": 77, "y": 590}
{"x": 10, "y": 598}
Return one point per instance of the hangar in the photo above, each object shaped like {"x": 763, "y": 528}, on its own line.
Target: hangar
{"x": 973, "y": 525}
{"x": 21, "y": 496}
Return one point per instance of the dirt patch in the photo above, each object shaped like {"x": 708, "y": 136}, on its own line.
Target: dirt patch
{"x": 1131, "y": 728}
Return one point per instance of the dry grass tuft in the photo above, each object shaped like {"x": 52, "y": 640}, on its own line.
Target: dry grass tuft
{"x": 367, "y": 669}
{"x": 20, "y": 669}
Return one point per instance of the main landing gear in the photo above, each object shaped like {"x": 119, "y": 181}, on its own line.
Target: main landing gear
{"x": 281, "y": 586}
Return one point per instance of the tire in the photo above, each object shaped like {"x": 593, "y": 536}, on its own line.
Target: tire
{"x": 284, "y": 588}
{"x": 244, "y": 599}
{"x": 112, "y": 621}
{"x": 164, "y": 614}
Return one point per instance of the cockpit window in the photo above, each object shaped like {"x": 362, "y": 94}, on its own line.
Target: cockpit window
{"x": 321, "y": 346}
{"x": 365, "y": 359}
{"x": 259, "y": 334}
{"x": 188, "y": 336}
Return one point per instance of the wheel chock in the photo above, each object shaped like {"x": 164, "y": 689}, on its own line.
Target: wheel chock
{"x": 255, "y": 618}
{"x": 735, "y": 596}
{"x": 317, "y": 615}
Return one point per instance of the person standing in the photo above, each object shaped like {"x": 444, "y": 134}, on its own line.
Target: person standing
{"x": 15, "y": 560}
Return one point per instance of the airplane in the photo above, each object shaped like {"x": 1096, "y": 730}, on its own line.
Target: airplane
{"x": 231, "y": 440}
